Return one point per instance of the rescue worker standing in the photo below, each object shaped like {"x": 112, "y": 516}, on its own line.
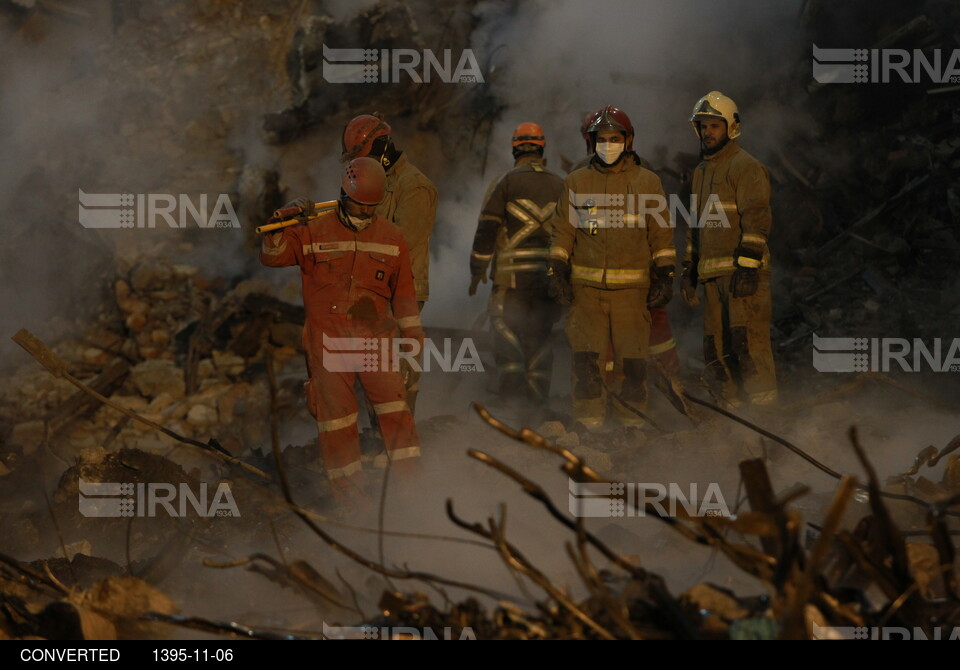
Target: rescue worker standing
{"x": 410, "y": 203}
{"x": 357, "y": 283}
{"x": 731, "y": 260}
{"x": 512, "y": 240}
{"x": 612, "y": 257}
{"x": 663, "y": 346}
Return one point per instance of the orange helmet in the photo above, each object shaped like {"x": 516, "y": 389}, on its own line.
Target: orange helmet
{"x": 364, "y": 181}
{"x": 612, "y": 117}
{"x": 359, "y": 135}
{"x": 528, "y": 133}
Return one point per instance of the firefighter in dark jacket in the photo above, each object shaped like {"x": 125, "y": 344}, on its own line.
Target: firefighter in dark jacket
{"x": 512, "y": 246}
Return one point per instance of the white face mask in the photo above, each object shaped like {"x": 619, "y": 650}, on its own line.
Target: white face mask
{"x": 609, "y": 152}
{"x": 358, "y": 223}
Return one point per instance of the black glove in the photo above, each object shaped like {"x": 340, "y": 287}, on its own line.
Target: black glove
{"x": 305, "y": 204}
{"x": 661, "y": 286}
{"x": 746, "y": 278}
{"x": 475, "y": 281}
{"x": 558, "y": 282}
{"x": 688, "y": 282}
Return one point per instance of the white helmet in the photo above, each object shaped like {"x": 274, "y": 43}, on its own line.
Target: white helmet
{"x": 715, "y": 104}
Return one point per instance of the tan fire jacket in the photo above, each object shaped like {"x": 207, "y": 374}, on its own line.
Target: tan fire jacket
{"x": 411, "y": 203}
{"x": 611, "y": 224}
{"x": 737, "y": 215}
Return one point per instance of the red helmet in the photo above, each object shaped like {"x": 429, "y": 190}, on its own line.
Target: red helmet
{"x": 359, "y": 135}
{"x": 612, "y": 117}
{"x": 364, "y": 181}
{"x": 528, "y": 133}
{"x": 585, "y": 127}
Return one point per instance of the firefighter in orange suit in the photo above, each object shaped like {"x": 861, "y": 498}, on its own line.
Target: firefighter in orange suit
{"x": 612, "y": 258}
{"x": 410, "y": 202}
{"x": 731, "y": 259}
{"x": 511, "y": 238}
{"x": 358, "y": 293}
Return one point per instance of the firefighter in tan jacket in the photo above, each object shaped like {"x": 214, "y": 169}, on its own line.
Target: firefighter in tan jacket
{"x": 410, "y": 203}
{"x": 727, "y": 253}
{"x": 612, "y": 258}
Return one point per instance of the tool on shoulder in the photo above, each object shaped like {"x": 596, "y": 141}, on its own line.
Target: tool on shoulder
{"x": 292, "y": 215}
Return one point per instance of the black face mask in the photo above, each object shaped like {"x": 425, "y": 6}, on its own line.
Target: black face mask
{"x": 382, "y": 149}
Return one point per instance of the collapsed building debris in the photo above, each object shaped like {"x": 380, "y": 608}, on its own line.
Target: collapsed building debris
{"x": 180, "y": 357}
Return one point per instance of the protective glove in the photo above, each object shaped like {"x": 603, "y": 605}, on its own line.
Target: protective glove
{"x": 475, "y": 281}
{"x": 746, "y": 278}
{"x": 305, "y": 204}
{"x": 661, "y": 286}
{"x": 688, "y": 282}
{"x": 558, "y": 282}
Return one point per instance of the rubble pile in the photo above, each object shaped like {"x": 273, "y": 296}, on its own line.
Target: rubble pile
{"x": 867, "y": 240}
{"x": 178, "y": 350}
{"x": 866, "y": 208}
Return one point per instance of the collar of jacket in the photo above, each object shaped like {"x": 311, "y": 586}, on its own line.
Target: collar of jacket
{"x": 730, "y": 148}
{"x": 528, "y": 159}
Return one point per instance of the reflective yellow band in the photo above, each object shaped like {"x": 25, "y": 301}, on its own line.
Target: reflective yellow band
{"x": 665, "y": 253}
{"x": 609, "y": 366}
{"x": 625, "y": 276}
{"x": 374, "y": 247}
{"x": 491, "y": 218}
{"x": 559, "y": 252}
{"x": 345, "y": 471}
{"x": 481, "y": 257}
{"x": 587, "y": 274}
{"x": 521, "y": 267}
{"x": 329, "y": 247}
{"x": 351, "y": 245}
{"x": 746, "y": 262}
{"x": 752, "y": 239}
{"x": 657, "y": 349}
{"x": 396, "y": 455}
{"x": 409, "y": 321}
{"x": 337, "y": 424}
{"x": 709, "y": 265}
{"x": 612, "y": 275}
{"x": 274, "y": 251}
{"x": 391, "y": 407}
{"x": 524, "y": 253}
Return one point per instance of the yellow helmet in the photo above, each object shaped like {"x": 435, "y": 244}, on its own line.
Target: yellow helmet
{"x": 715, "y": 104}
